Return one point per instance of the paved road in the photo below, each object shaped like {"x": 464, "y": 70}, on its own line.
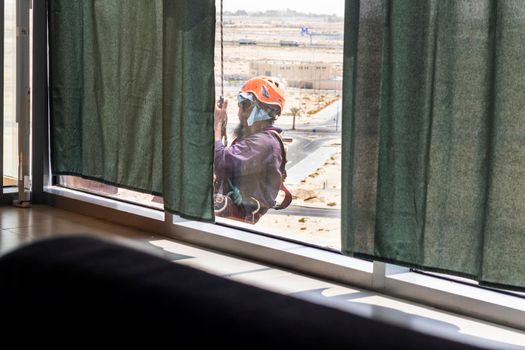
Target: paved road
{"x": 303, "y": 145}
{"x": 308, "y": 138}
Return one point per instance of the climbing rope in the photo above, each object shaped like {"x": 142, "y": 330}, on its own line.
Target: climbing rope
{"x": 222, "y": 56}
{"x": 221, "y": 99}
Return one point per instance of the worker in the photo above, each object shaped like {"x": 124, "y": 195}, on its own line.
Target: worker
{"x": 250, "y": 172}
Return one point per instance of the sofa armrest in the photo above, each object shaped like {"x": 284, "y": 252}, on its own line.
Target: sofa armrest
{"x": 96, "y": 292}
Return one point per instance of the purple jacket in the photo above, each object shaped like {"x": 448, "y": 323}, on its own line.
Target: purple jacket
{"x": 253, "y": 164}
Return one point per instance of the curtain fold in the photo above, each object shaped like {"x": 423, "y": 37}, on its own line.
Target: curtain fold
{"x": 124, "y": 109}
{"x": 189, "y": 93}
{"x": 451, "y": 135}
{"x": 360, "y": 126}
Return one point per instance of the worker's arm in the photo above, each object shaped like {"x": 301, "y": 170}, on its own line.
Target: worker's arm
{"x": 220, "y": 118}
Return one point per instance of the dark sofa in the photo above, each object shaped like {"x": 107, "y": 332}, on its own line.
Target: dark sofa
{"x": 79, "y": 292}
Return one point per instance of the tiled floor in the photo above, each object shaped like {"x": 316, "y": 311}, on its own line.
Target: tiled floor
{"x": 21, "y": 226}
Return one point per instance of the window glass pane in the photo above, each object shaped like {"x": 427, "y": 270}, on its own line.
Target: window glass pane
{"x": 299, "y": 44}
{"x": 10, "y": 126}
{"x": 110, "y": 191}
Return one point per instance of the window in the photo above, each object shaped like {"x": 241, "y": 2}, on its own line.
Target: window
{"x": 303, "y": 135}
{"x": 310, "y": 117}
{"x": 10, "y": 137}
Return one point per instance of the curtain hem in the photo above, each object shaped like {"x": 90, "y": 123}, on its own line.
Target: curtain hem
{"x": 189, "y": 217}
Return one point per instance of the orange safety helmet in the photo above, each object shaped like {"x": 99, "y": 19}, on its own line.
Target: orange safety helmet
{"x": 267, "y": 90}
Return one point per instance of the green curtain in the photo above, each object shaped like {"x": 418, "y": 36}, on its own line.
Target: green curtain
{"x": 132, "y": 95}
{"x": 450, "y": 162}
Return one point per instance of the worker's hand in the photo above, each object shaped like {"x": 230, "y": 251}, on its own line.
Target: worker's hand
{"x": 220, "y": 118}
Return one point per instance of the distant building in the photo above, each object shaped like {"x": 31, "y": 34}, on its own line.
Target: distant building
{"x": 307, "y": 75}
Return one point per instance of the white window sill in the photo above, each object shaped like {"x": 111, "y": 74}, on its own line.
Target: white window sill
{"x": 458, "y": 297}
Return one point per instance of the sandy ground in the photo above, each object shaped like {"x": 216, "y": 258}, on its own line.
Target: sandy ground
{"x": 269, "y": 30}
{"x": 319, "y": 189}
{"x": 322, "y": 188}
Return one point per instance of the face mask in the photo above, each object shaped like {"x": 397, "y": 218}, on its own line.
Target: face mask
{"x": 257, "y": 113}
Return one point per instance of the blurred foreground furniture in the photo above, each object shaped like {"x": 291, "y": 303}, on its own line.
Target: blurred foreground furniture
{"x": 79, "y": 292}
